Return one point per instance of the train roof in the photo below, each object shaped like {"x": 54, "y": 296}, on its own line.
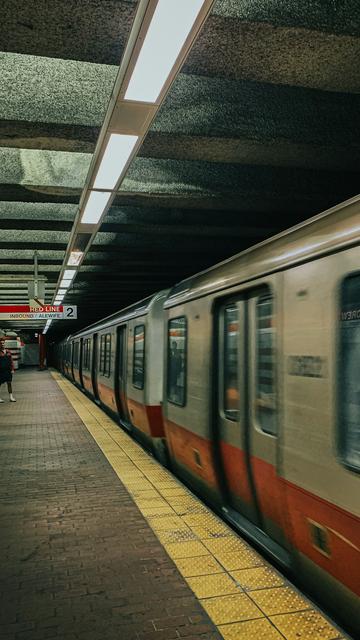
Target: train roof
{"x": 137, "y": 309}
{"x": 325, "y": 233}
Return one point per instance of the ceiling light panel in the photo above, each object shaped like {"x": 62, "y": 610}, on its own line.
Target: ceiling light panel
{"x": 95, "y": 206}
{"x": 69, "y": 274}
{"x": 64, "y": 284}
{"x": 75, "y": 258}
{"x": 116, "y": 156}
{"x": 169, "y": 28}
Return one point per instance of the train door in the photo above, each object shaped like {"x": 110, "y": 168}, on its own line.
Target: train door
{"x": 95, "y": 366}
{"x": 232, "y": 432}
{"x": 72, "y": 359}
{"x": 247, "y": 410}
{"x": 120, "y": 373}
{"x": 81, "y": 361}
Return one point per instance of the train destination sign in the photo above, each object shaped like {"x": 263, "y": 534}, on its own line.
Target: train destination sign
{"x": 47, "y": 312}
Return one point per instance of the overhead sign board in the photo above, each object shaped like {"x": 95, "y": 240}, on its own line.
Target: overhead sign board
{"x": 47, "y": 312}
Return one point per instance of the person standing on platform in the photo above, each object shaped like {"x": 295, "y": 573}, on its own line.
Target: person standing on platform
{"x": 6, "y": 368}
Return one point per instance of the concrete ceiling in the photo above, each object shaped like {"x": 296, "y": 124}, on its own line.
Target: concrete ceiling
{"x": 260, "y": 130}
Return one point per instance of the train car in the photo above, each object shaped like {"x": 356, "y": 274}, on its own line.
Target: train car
{"x": 66, "y": 354}
{"x": 260, "y": 394}
{"x": 262, "y": 397}
{"x": 119, "y": 361}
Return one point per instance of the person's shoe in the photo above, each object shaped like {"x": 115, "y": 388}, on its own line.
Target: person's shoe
{"x": 1, "y": 400}
{"x": 12, "y": 399}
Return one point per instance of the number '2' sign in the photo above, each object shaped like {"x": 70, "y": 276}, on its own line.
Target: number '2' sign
{"x": 69, "y": 313}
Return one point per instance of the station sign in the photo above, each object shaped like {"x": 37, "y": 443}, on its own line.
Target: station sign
{"x": 47, "y": 312}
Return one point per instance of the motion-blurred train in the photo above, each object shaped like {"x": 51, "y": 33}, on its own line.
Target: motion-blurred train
{"x": 245, "y": 380}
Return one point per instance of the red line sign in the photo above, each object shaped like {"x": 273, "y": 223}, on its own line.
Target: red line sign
{"x": 23, "y": 308}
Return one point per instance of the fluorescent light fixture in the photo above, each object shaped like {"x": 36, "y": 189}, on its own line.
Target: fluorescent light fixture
{"x": 65, "y": 283}
{"x": 169, "y": 28}
{"x": 48, "y": 323}
{"x": 61, "y": 292}
{"x": 117, "y": 153}
{"x": 95, "y": 206}
{"x": 75, "y": 258}
{"x": 69, "y": 274}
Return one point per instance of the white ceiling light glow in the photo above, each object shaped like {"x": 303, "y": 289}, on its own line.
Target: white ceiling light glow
{"x": 116, "y": 155}
{"x": 95, "y": 206}
{"x": 48, "y": 323}
{"x": 169, "y": 28}
{"x": 75, "y": 258}
{"x": 69, "y": 274}
{"x": 65, "y": 283}
{"x": 161, "y": 36}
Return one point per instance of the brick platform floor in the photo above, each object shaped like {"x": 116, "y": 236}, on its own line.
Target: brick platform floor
{"x": 77, "y": 558}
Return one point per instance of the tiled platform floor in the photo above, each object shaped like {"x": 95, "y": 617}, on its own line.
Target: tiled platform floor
{"x": 89, "y": 523}
{"x": 77, "y": 558}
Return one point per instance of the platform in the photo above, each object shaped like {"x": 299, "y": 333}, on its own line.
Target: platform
{"x": 98, "y": 541}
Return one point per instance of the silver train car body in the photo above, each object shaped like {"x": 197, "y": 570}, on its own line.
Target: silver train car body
{"x": 256, "y": 364}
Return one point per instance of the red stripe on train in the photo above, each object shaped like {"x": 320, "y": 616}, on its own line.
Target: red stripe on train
{"x": 294, "y": 505}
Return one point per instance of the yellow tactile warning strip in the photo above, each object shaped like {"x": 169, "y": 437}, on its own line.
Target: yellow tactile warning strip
{"x": 246, "y": 598}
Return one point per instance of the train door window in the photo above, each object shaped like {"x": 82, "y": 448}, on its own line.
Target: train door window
{"x": 105, "y": 354}
{"x": 76, "y": 355}
{"x": 86, "y": 354}
{"x": 266, "y": 413}
{"x": 139, "y": 357}
{"x": 231, "y": 382}
{"x": 107, "y": 357}
{"x": 349, "y": 373}
{"x": 176, "y": 365}
{"x": 102, "y": 354}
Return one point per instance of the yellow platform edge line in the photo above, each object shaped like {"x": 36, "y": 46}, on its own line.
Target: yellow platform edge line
{"x": 244, "y": 596}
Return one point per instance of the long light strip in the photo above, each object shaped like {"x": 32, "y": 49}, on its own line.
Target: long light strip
{"x": 162, "y": 33}
{"x": 169, "y": 28}
{"x": 95, "y": 206}
{"x": 116, "y": 155}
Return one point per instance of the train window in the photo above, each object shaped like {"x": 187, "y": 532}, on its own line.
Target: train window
{"x": 88, "y": 353}
{"x": 102, "y": 354}
{"x": 105, "y": 354}
{"x": 265, "y": 365}
{"x": 107, "y": 364}
{"x": 76, "y": 355}
{"x": 176, "y": 366}
{"x": 139, "y": 356}
{"x": 231, "y": 382}
{"x": 349, "y": 374}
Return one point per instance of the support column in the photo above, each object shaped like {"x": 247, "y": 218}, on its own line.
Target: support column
{"x": 42, "y": 351}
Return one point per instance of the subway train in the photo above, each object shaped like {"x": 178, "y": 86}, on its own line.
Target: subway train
{"x": 245, "y": 381}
